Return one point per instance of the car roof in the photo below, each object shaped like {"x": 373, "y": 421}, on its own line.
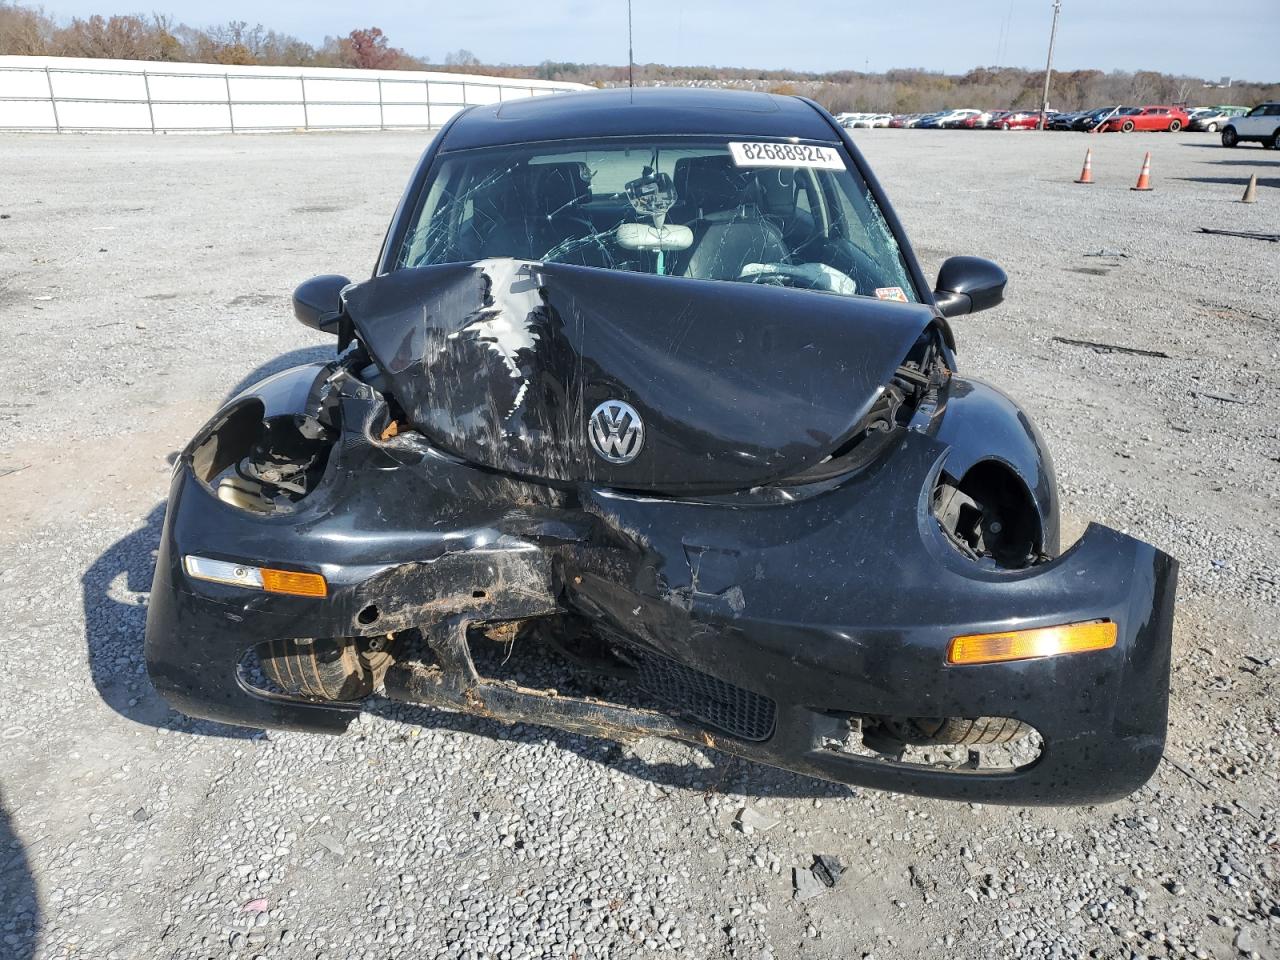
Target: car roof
{"x": 643, "y": 111}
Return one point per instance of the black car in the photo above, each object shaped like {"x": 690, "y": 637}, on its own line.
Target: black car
{"x": 648, "y": 391}
{"x": 1095, "y": 118}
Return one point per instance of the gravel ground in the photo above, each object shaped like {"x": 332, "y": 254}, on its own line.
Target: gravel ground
{"x": 142, "y": 279}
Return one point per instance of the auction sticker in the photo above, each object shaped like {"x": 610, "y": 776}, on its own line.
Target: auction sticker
{"x": 891, "y": 293}
{"x": 785, "y": 155}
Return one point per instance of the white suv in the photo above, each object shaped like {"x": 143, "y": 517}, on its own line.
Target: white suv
{"x": 1262, "y": 124}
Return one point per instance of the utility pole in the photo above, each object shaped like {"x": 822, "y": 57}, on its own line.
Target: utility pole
{"x": 1048, "y": 67}
{"x": 631, "y": 60}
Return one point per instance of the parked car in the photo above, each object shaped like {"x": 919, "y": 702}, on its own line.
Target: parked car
{"x": 961, "y": 119}
{"x": 1206, "y": 119}
{"x": 1093, "y": 119}
{"x": 615, "y": 402}
{"x": 1261, "y": 125}
{"x": 931, "y": 121}
{"x": 1018, "y": 121}
{"x": 1149, "y": 118}
{"x": 866, "y": 121}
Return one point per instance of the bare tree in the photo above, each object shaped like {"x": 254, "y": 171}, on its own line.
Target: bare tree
{"x": 25, "y": 31}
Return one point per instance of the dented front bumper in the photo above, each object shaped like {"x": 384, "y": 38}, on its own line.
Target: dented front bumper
{"x": 835, "y": 604}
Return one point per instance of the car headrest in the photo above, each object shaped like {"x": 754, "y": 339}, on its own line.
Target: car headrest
{"x": 776, "y": 191}
{"x": 709, "y": 184}
{"x": 558, "y": 184}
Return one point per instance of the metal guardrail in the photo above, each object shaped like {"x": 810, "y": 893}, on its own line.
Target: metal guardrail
{"x": 230, "y": 103}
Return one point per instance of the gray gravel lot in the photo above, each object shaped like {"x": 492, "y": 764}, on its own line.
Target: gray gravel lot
{"x": 142, "y": 279}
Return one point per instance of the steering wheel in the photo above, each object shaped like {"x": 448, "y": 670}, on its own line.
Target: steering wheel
{"x": 780, "y": 278}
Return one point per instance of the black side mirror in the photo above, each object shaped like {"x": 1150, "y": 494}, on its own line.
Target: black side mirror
{"x": 967, "y": 285}
{"x": 318, "y": 302}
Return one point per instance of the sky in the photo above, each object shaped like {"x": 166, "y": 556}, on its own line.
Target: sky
{"x": 1236, "y": 38}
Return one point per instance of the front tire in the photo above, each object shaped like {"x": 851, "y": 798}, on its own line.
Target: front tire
{"x": 1212, "y": 128}
{"x": 955, "y": 731}
{"x": 1275, "y": 140}
{"x": 1127, "y": 126}
{"x": 1229, "y": 137}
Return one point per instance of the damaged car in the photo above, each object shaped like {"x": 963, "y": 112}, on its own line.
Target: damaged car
{"x": 648, "y": 424}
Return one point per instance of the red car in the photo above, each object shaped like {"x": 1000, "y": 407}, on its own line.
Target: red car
{"x": 1018, "y": 121}
{"x": 1172, "y": 119}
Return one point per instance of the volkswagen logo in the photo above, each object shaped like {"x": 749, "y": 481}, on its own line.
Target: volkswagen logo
{"x": 616, "y": 431}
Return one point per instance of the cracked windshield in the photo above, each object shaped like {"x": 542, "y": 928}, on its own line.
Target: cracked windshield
{"x": 785, "y": 214}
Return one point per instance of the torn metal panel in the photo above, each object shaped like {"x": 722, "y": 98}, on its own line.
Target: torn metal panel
{"x": 502, "y": 361}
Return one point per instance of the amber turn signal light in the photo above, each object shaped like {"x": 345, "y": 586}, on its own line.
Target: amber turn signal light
{"x": 256, "y": 578}
{"x": 1031, "y": 644}
{"x": 298, "y": 584}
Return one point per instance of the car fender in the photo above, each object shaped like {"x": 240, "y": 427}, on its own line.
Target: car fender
{"x": 980, "y": 422}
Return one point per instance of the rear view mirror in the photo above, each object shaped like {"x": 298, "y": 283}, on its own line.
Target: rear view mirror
{"x": 967, "y": 285}
{"x": 318, "y": 302}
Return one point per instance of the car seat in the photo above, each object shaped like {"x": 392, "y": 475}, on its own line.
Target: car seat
{"x": 720, "y": 203}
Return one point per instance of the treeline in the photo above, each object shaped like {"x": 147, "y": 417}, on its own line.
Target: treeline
{"x": 31, "y": 32}
{"x": 28, "y": 30}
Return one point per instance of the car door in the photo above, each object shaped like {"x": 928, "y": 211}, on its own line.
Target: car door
{"x": 1252, "y": 123}
{"x": 1153, "y": 119}
{"x": 1269, "y": 122}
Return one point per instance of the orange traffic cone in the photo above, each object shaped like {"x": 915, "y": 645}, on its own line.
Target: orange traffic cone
{"x": 1251, "y": 191}
{"x": 1086, "y": 175}
{"x": 1144, "y": 178}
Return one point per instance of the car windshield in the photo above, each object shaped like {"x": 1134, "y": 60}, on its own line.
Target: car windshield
{"x": 787, "y": 214}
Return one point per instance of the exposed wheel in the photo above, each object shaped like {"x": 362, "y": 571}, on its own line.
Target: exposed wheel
{"x": 1004, "y": 126}
{"x": 1229, "y": 138}
{"x": 1274, "y": 143}
{"x": 1175, "y": 126}
{"x": 1127, "y": 126}
{"x": 1211, "y": 127}
{"x": 321, "y": 669}
{"x": 928, "y": 731}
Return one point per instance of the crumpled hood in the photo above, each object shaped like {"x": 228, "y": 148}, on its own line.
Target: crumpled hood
{"x": 502, "y": 362}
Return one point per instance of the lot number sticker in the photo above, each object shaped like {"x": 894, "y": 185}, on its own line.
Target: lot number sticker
{"x": 785, "y": 155}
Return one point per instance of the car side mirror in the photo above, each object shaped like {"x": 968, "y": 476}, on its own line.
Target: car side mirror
{"x": 967, "y": 285}
{"x": 318, "y": 302}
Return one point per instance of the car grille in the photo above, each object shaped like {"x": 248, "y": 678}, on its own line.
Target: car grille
{"x": 738, "y": 712}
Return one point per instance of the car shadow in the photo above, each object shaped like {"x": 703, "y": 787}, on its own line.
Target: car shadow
{"x": 1246, "y": 163}
{"x": 113, "y": 593}
{"x": 20, "y": 919}
{"x": 1217, "y": 145}
{"x": 113, "y": 596}
{"x": 716, "y": 773}
{"x": 1232, "y": 181}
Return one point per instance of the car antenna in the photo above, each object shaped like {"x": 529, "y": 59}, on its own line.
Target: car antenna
{"x": 631, "y": 60}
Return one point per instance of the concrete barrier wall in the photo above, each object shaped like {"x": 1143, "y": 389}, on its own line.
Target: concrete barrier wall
{"x": 71, "y": 93}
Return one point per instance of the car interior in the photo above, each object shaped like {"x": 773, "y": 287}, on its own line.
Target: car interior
{"x": 564, "y": 209}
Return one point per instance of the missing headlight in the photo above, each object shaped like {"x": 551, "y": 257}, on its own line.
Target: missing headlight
{"x": 989, "y": 516}
{"x": 262, "y": 465}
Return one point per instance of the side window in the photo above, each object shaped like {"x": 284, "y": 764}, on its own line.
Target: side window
{"x": 1273, "y": 110}
{"x": 1257, "y": 111}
